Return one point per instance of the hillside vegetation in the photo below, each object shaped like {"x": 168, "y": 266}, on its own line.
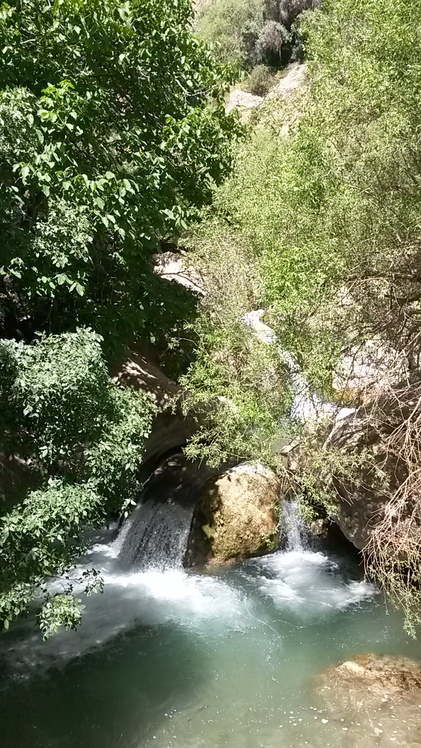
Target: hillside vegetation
{"x": 115, "y": 144}
{"x": 324, "y": 207}
{"x": 260, "y": 36}
{"x": 112, "y": 132}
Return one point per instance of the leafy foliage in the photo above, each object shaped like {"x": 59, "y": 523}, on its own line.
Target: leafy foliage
{"x": 85, "y": 438}
{"x": 233, "y": 26}
{"x": 112, "y": 135}
{"x": 260, "y": 81}
{"x": 253, "y": 32}
{"x": 241, "y": 382}
{"x": 112, "y": 130}
{"x": 326, "y": 195}
{"x": 55, "y": 396}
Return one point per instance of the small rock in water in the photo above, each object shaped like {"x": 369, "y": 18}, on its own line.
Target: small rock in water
{"x": 377, "y": 683}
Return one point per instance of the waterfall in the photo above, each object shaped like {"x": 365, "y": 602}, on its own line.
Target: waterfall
{"x": 293, "y": 528}
{"x": 156, "y": 534}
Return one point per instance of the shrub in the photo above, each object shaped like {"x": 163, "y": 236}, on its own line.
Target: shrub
{"x": 233, "y": 26}
{"x": 260, "y": 81}
{"x": 56, "y": 395}
{"x": 85, "y": 438}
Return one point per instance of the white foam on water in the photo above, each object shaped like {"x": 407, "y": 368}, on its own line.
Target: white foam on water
{"x": 309, "y": 584}
{"x": 151, "y": 597}
{"x": 306, "y": 583}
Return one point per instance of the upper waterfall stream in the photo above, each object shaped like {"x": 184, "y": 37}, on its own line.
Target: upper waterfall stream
{"x": 167, "y": 658}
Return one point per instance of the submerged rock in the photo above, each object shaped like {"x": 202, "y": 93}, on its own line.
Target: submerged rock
{"x": 377, "y": 696}
{"x": 236, "y": 516}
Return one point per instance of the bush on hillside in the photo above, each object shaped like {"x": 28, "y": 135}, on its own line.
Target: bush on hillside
{"x": 84, "y": 438}
{"x": 250, "y": 32}
{"x": 234, "y": 27}
{"x": 260, "y": 81}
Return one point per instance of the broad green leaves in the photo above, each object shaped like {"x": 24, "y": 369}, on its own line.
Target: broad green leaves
{"x": 112, "y": 135}
{"x": 83, "y": 438}
{"x": 112, "y": 131}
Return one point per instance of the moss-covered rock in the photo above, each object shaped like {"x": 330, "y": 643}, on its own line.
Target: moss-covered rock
{"x": 236, "y": 516}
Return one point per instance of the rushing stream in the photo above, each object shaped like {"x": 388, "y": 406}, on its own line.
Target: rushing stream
{"x": 171, "y": 659}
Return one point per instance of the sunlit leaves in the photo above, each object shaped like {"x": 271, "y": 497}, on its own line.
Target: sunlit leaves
{"x": 109, "y": 127}
{"x": 84, "y": 438}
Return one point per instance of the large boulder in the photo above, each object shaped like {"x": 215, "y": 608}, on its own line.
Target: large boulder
{"x": 355, "y": 503}
{"x": 378, "y": 695}
{"x": 359, "y": 504}
{"x": 236, "y": 516}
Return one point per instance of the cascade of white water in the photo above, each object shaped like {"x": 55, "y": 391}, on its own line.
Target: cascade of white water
{"x": 157, "y": 536}
{"x": 293, "y": 528}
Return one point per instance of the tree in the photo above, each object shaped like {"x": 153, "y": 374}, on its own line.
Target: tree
{"x": 112, "y": 134}
{"x": 83, "y": 437}
{"x": 112, "y": 131}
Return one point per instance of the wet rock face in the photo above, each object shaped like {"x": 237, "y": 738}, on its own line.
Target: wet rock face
{"x": 236, "y": 516}
{"x": 378, "y": 697}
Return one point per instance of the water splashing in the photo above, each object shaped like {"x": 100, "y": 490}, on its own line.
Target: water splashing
{"x": 156, "y": 534}
{"x": 293, "y": 529}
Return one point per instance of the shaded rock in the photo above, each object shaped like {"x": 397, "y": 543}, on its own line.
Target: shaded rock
{"x": 173, "y": 266}
{"x": 236, "y": 516}
{"x": 360, "y": 503}
{"x": 138, "y": 371}
{"x": 171, "y": 427}
{"x": 378, "y": 695}
{"x": 286, "y": 11}
{"x": 293, "y": 78}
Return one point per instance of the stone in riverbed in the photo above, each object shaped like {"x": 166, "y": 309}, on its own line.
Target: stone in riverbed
{"x": 236, "y": 517}
{"x": 377, "y": 697}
